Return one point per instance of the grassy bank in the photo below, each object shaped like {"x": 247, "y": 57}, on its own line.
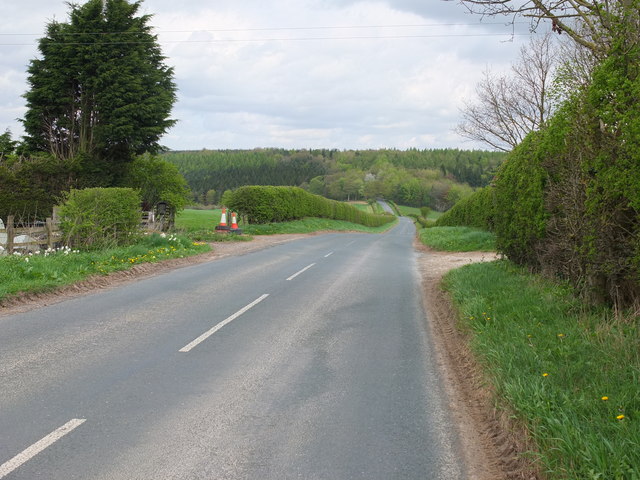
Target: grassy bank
{"x": 310, "y": 225}
{"x": 458, "y": 239}
{"x": 569, "y": 374}
{"x": 200, "y": 225}
{"x": 51, "y": 269}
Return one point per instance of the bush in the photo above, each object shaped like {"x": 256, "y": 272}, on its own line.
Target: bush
{"x": 100, "y": 217}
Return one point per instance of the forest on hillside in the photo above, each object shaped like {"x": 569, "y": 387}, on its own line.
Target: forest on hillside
{"x": 433, "y": 178}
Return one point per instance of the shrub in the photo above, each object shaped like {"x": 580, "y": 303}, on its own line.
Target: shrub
{"x": 100, "y": 217}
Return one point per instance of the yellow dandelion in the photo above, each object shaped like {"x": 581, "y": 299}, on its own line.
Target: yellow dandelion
{"x": 545, "y": 374}
{"x": 560, "y": 335}
{"x": 620, "y": 417}
{"x": 605, "y": 398}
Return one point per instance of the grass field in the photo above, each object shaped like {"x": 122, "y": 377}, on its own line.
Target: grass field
{"x": 458, "y": 239}
{"x": 569, "y": 374}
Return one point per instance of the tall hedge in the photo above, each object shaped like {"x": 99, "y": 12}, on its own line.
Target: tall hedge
{"x": 567, "y": 199}
{"x": 476, "y": 210}
{"x": 261, "y": 204}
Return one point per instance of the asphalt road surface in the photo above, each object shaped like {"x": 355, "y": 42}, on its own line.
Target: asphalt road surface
{"x": 307, "y": 360}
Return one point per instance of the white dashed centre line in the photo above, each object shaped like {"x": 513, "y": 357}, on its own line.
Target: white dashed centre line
{"x": 213, "y": 330}
{"x": 301, "y": 271}
{"x": 328, "y": 254}
{"x": 26, "y": 455}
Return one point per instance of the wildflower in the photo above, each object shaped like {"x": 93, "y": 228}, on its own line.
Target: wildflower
{"x": 26, "y": 259}
{"x": 620, "y": 417}
{"x": 605, "y": 398}
{"x": 545, "y": 374}
{"x": 561, "y": 335}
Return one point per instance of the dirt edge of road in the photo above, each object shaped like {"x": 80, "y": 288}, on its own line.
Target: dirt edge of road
{"x": 491, "y": 444}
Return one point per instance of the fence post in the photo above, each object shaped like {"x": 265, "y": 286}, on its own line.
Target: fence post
{"x": 10, "y": 234}
{"x": 49, "y": 226}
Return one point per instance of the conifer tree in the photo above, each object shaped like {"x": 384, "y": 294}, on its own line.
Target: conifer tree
{"x": 100, "y": 93}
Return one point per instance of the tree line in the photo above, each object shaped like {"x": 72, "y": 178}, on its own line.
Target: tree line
{"x": 436, "y": 178}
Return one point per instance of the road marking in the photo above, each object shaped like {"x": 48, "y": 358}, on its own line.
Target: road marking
{"x": 328, "y": 254}
{"x": 301, "y": 271}
{"x": 210, "y": 332}
{"x": 351, "y": 243}
{"x": 26, "y": 455}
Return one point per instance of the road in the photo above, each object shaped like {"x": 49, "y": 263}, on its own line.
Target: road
{"x": 306, "y": 360}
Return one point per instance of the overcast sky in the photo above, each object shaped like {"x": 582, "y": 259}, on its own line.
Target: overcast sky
{"x": 298, "y": 73}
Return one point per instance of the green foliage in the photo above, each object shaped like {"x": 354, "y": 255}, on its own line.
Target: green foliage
{"x": 411, "y": 177}
{"x": 99, "y": 99}
{"x": 567, "y": 200}
{"x": 477, "y": 210}
{"x": 570, "y": 375}
{"x": 157, "y": 181}
{"x": 7, "y": 145}
{"x": 519, "y": 219}
{"x": 31, "y": 187}
{"x": 279, "y": 204}
{"x": 100, "y": 217}
{"x": 458, "y": 239}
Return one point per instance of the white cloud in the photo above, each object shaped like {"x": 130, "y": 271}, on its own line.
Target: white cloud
{"x": 255, "y": 74}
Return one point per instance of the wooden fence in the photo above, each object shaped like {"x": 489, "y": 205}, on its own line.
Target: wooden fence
{"x": 28, "y": 238}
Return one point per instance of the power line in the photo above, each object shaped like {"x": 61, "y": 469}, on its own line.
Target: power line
{"x": 299, "y": 39}
{"x": 273, "y": 29}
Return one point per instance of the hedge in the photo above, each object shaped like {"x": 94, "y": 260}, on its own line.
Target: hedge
{"x": 260, "y": 204}
{"x": 100, "y": 217}
{"x": 476, "y": 210}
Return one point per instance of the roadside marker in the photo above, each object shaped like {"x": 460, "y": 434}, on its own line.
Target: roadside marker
{"x": 208, "y": 333}
{"x": 26, "y": 455}
{"x": 223, "y": 221}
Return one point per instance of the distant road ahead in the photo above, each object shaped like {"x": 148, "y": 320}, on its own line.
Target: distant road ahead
{"x": 306, "y": 360}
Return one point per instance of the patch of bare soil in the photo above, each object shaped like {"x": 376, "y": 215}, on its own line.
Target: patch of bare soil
{"x": 492, "y": 444}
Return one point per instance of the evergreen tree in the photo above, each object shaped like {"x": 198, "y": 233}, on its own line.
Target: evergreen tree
{"x": 100, "y": 93}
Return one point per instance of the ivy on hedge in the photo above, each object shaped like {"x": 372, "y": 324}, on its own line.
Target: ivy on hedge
{"x": 260, "y": 204}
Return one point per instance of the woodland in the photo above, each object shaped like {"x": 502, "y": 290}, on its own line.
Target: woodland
{"x": 433, "y": 178}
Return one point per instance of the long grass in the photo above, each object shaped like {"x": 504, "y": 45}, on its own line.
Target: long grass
{"x": 571, "y": 375}
{"x": 458, "y": 239}
{"x": 48, "y": 270}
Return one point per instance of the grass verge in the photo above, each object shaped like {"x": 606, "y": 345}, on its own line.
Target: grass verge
{"x": 571, "y": 376}
{"x": 458, "y": 239}
{"x": 310, "y": 225}
{"x": 49, "y": 270}
{"x": 200, "y": 225}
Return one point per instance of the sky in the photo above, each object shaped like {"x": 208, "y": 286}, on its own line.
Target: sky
{"x": 298, "y": 74}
